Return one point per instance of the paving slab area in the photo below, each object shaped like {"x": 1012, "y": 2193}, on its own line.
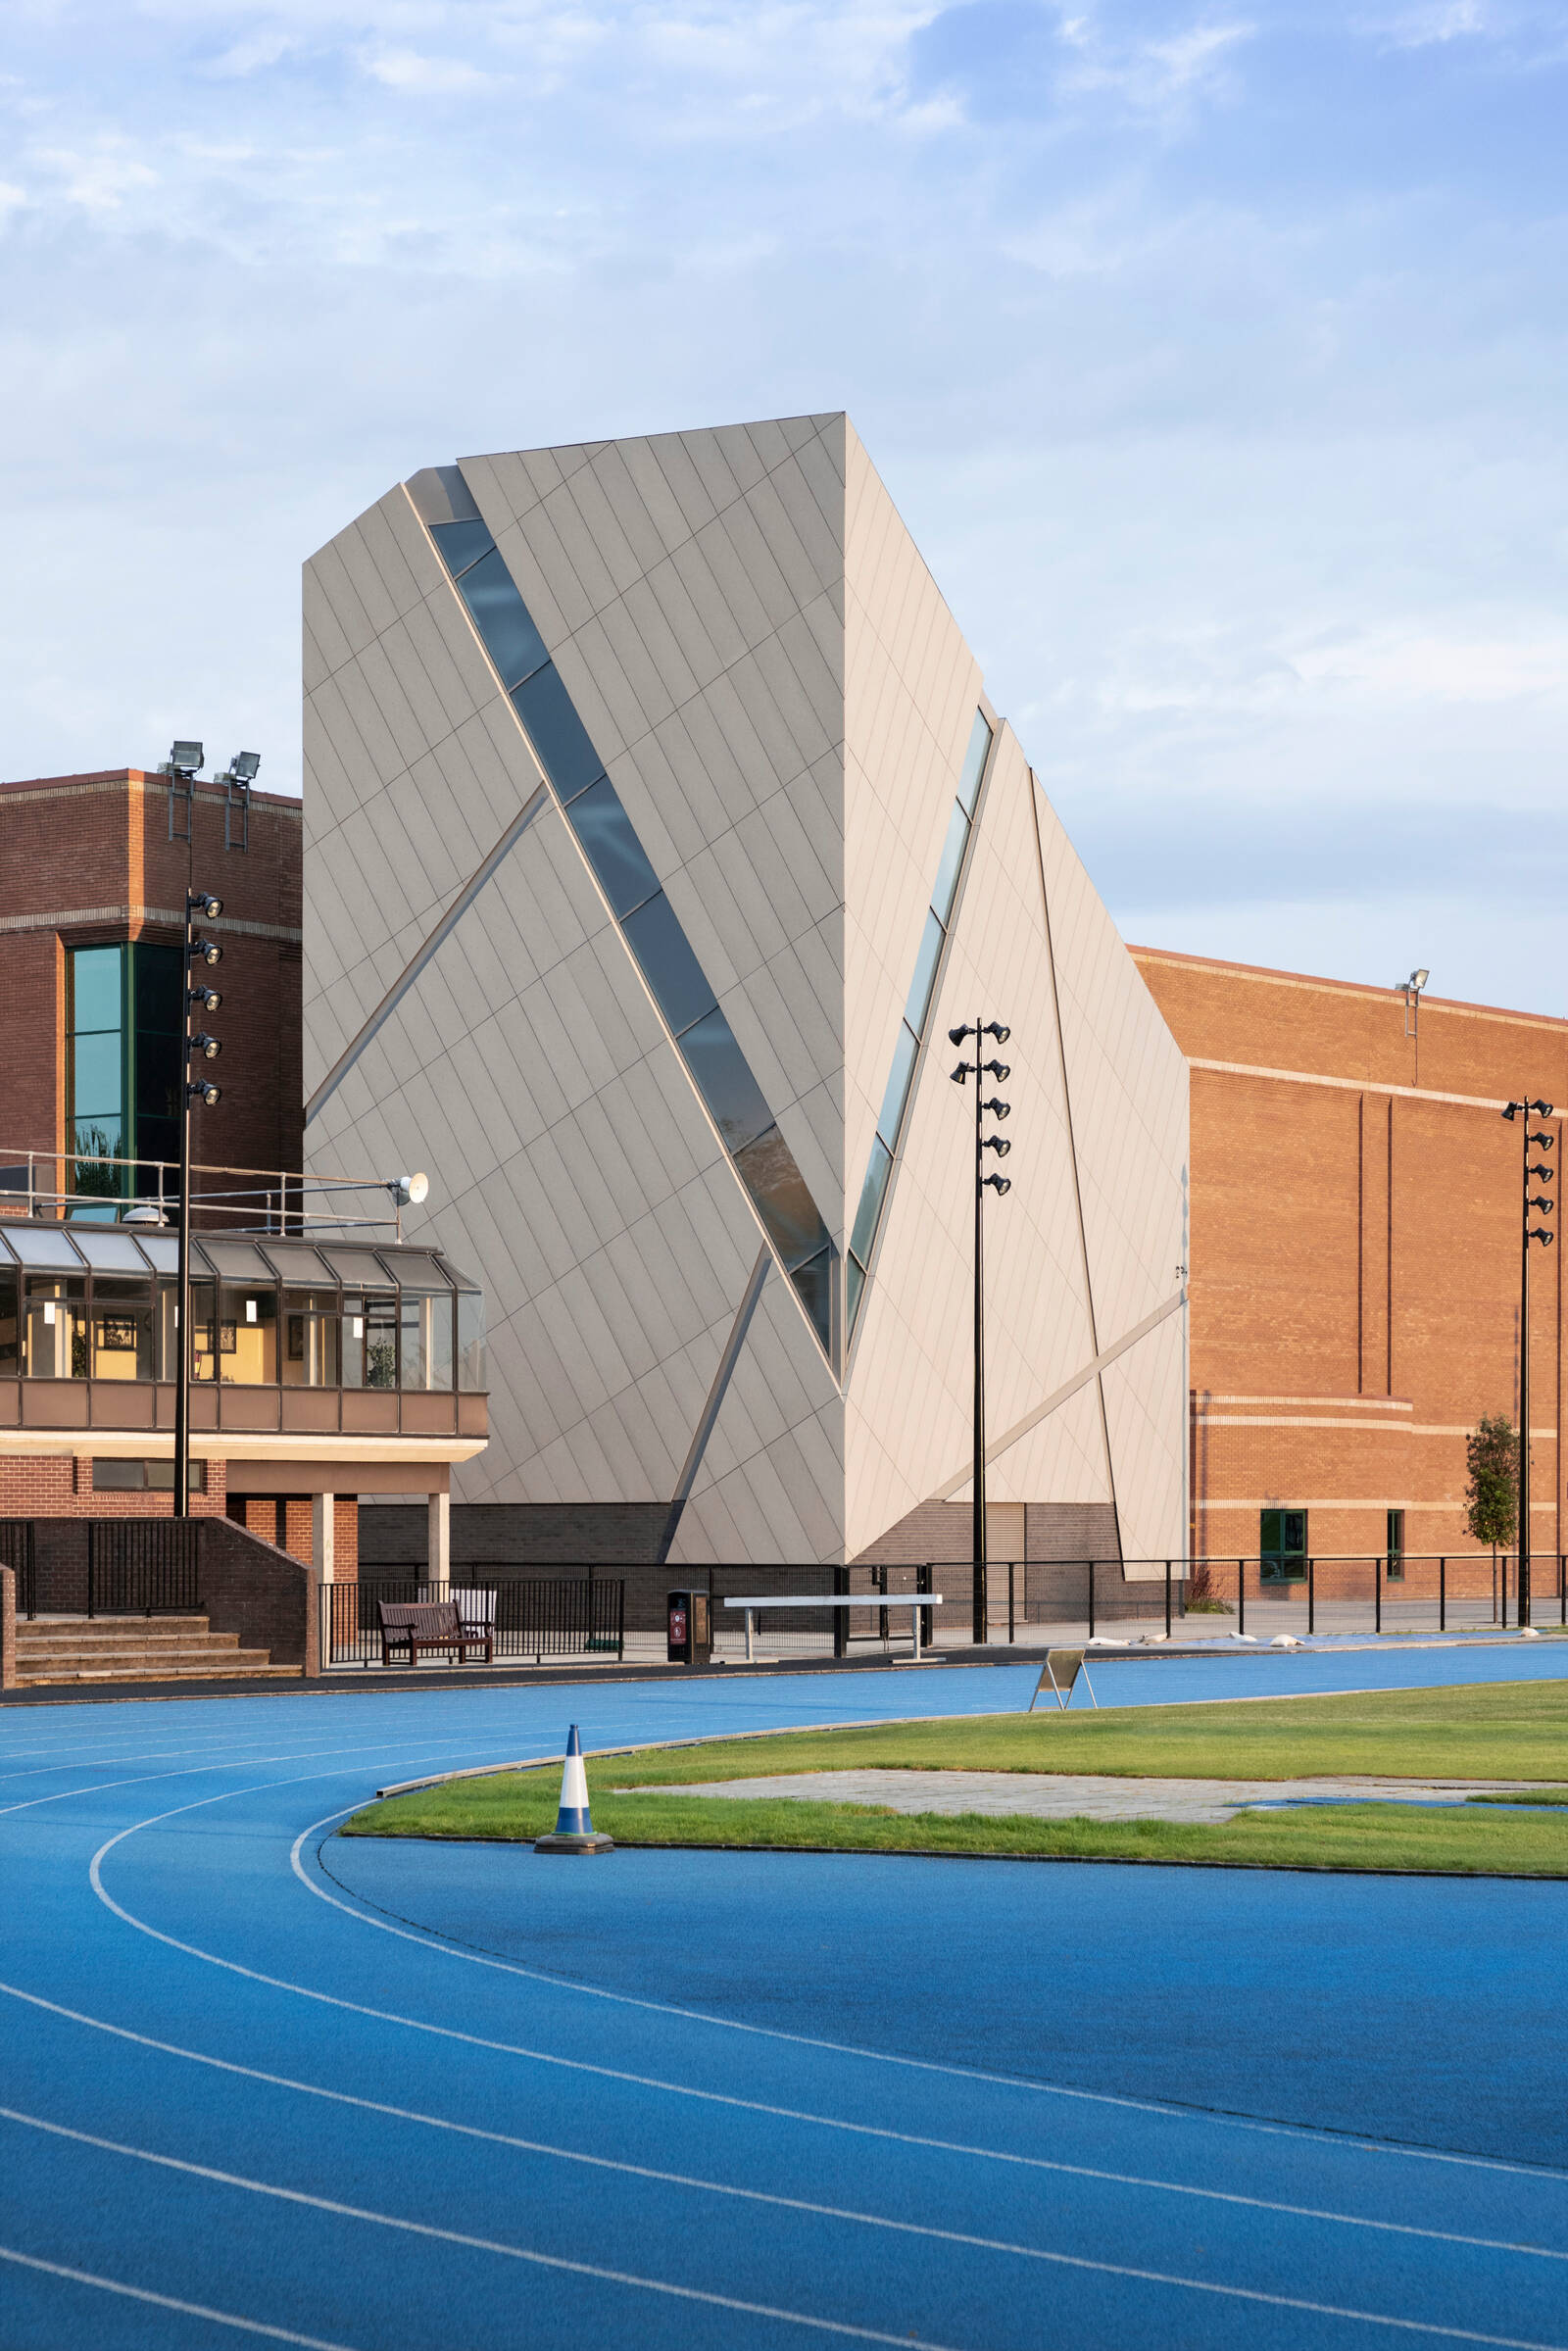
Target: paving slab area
{"x": 1081, "y": 1795}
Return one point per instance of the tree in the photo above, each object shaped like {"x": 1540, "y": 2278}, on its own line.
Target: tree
{"x": 1492, "y": 1490}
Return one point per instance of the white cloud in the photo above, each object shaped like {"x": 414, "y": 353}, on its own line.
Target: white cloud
{"x": 407, "y": 69}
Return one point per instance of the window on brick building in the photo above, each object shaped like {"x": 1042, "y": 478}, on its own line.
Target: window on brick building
{"x": 144, "y": 1477}
{"x": 1394, "y": 1555}
{"x": 1282, "y": 1547}
{"x": 124, "y": 1016}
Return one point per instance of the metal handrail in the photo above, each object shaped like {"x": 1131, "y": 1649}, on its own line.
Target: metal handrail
{"x": 283, "y": 1186}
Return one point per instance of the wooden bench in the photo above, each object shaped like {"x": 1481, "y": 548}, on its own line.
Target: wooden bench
{"x": 416, "y": 1625}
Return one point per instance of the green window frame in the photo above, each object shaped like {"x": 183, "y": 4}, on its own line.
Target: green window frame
{"x": 1393, "y": 1548}
{"x": 124, "y": 1016}
{"x": 1282, "y": 1547}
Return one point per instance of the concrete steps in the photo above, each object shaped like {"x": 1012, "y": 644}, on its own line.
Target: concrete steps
{"x": 137, "y": 1648}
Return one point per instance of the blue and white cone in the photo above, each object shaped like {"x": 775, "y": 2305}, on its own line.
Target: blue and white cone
{"x": 574, "y": 1831}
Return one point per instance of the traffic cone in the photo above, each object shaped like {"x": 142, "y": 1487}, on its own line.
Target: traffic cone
{"x": 574, "y": 1831}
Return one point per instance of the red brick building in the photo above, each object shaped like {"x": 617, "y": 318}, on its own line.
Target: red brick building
{"x": 328, "y": 1361}
{"x": 92, "y": 907}
{"x": 1356, "y": 1207}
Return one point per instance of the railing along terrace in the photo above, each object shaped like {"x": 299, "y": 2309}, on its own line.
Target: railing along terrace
{"x": 527, "y": 1615}
{"x": 1259, "y": 1594}
{"x": 1030, "y": 1602}
{"x": 100, "y": 1187}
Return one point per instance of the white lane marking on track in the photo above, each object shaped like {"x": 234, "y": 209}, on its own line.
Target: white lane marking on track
{"x": 189, "y": 2310}
{"x": 720, "y": 2188}
{"x": 598, "y": 2271}
{"x": 795, "y": 2317}
{"x": 194, "y": 1771}
{"x": 1186, "y": 2114}
{"x": 697, "y": 2016}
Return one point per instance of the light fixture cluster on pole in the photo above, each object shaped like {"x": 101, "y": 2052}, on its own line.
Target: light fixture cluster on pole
{"x": 198, "y": 1047}
{"x": 1541, "y": 1205}
{"x": 1410, "y": 990}
{"x": 996, "y": 1109}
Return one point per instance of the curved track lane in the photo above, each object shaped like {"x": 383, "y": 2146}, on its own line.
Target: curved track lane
{"x": 252, "y": 2082}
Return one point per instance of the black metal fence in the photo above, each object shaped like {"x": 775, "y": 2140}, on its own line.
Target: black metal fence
{"x": 104, "y": 1567}
{"x": 143, "y": 1566}
{"x": 573, "y": 1609}
{"x": 1261, "y": 1596}
{"x": 527, "y": 1616}
{"x": 17, "y": 1552}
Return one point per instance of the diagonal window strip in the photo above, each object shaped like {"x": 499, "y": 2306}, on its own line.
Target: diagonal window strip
{"x": 916, "y": 1012}
{"x": 648, "y": 921}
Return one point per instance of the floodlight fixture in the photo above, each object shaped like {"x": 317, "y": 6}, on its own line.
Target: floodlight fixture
{"x": 1512, "y": 1111}
{"x": 1539, "y": 1109}
{"x": 998, "y": 1109}
{"x": 960, "y": 1075}
{"x": 1001, "y": 1071}
{"x": 243, "y": 765}
{"x": 204, "y": 999}
{"x": 185, "y": 759}
{"x": 410, "y": 1191}
{"x": 202, "y": 1090}
{"x": 1545, "y": 1172}
{"x": 202, "y": 902}
{"x": 1416, "y": 981}
{"x": 210, "y": 1047}
{"x": 957, "y": 1036}
{"x": 998, "y": 1144}
{"x": 1540, "y": 1232}
{"x": 1547, "y": 1141}
{"x": 205, "y": 951}
{"x": 1000, "y": 1183}
{"x": 998, "y": 1029}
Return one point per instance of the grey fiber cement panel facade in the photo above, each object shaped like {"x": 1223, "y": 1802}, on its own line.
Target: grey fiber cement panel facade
{"x": 737, "y": 628}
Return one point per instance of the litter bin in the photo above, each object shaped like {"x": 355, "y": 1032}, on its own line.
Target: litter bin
{"x": 690, "y": 1628}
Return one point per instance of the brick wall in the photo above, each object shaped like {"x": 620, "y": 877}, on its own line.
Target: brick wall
{"x": 253, "y": 1588}
{"x": 1354, "y": 1254}
{"x": 60, "y": 1486}
{"x": 519, "y": 1533}
{"x": 88, "y": 859}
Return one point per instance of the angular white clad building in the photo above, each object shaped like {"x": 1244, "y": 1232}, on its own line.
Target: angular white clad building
{"x": 657, "y": 830}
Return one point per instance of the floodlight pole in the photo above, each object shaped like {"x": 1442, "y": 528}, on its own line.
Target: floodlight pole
{"x": 1522, "y": 1595}
{"x": 198, "y": 904}
{"x": 978, "y": 1070}
{"x": 982, "y": 1621}
{"x": 1526, "y": 1110}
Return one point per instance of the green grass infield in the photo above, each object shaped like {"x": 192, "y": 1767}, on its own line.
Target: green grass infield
{"x": 1509, "y": 1733}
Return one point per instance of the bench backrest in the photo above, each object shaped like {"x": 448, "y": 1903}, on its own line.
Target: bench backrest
{"x": 475, "y": 1604}
{"x": 429, "y": 1618}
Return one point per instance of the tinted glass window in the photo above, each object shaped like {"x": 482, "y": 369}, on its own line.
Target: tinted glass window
{"x": 614, "y": 850}
{"x": 925, "y": 971}
{"x": 871, "y": 1208}
{"x": 669, "y": 968}
{"x": 95, "y": 987}
{"x": 814, "y": 1282}
{"x": 952, "y": 859}
{"x": 783, "y": 1203}
{"x": 460, "y": 543}
{"x": 557, "y": 732}
{"x": 975, "y": 762}
{"x": 501, "y": 617}
{"x": 903, "y": 1053}
{"x": 853, "y": 1283}
{"x": 725, "y": 1080}
{"x": 471, "y": 1342}
{"x": 97, "y": 1075}
{"x": 9, "y": 1343}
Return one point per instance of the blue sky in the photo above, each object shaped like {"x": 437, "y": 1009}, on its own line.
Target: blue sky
{"x": 1213, "y": 353}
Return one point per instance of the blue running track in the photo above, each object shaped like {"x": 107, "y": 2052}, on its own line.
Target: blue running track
{"x": 259, "y": 2081}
